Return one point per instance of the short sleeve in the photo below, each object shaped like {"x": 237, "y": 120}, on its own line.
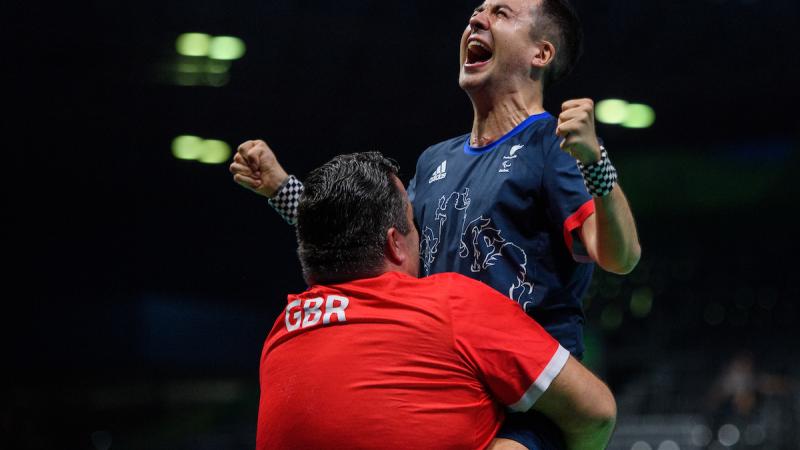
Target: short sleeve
{"x": 412, "y": 187}
{"x": 511, "y": 353}
{"x": 568, "y": 201}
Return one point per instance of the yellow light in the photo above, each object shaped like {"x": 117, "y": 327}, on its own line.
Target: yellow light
{"x": 215, "y": 152}
{"x": 639, "y": 116}
{"x": 612, "y": 111}
{"x": 193, "y": 44}
{"x": 187, "y": 147}
{"x": 226, "y": 48}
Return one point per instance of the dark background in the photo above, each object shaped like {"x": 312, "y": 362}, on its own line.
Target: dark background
{"x": 140, "y": 287}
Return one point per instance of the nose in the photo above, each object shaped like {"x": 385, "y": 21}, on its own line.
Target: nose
{"x": 479, "y": 21}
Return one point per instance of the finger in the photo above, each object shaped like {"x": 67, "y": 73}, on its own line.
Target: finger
{"x": 251, "y": 165}
{"x": 245, "y": 146}
{"x": 242, "y": 169}
{"x": 577, "y": 103}
{"x": 254, "y": 157}
{"x": 568, "y": 126}
{"x": 247, "y": 181}
{"x": 574, "y": 114}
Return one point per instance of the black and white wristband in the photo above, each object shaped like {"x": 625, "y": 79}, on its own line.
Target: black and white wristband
{"x": 599, "y": 177}
{"x": 287, "y": 198}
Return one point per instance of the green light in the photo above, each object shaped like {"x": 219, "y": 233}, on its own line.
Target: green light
{"x": 188, "y": 67}
{"x": 226, "y": 48}
{"x": 217, "y": 79}
{"x": 193, "y": 44}
{"x": 611, "y": 317}
{"x": 215, "y": 152}
{"x": 187, "y": 147}
{"x": 611, "y": 111}
{"x": 639, "y": 116}
{"x": 641, "y": 302}
{"x": 218, "y": 67}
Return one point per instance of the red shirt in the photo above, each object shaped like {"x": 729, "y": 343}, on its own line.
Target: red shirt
{"x": 400, "y": 362}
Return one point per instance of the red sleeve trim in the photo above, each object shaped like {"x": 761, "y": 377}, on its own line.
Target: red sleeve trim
{"x": 576, "y": 221}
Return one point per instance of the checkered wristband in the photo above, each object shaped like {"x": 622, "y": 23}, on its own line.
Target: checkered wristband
{"x": 286, "y": 199}
{"x": 599, "y": 177}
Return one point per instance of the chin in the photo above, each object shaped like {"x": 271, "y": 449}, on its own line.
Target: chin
{"x": 470, "y": 82}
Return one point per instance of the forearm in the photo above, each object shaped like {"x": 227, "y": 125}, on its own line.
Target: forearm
{"x": 590, "y": 437}
{"x": 617, "y": 242}
{"x": 581, "y": 406}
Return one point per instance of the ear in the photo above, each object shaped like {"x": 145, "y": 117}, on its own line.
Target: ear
{"x": 395, "y": 250}
{"x": 544, "y": 54}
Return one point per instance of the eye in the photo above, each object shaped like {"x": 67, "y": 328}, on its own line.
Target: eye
{"x": 501, "y": 13}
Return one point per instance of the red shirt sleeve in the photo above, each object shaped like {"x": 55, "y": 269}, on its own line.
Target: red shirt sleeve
{"x": 512, "y": 355}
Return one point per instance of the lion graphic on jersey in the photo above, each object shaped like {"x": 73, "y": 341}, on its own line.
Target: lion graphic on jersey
{"x": 480, "y": 241}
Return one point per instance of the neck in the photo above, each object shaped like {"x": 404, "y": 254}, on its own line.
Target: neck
{"x": 494, "y": 116}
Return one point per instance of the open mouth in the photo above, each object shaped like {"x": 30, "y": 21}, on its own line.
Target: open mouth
{"x": 477, "y": 53}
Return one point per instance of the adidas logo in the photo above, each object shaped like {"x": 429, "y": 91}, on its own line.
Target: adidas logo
{"x": 439, "y": 173}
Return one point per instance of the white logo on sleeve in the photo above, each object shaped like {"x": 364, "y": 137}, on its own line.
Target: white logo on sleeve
{"x": 439, "y": 173}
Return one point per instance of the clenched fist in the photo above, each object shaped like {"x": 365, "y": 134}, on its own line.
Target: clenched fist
{"x": 256, "y": 168}
{"x": 576, "y": 126}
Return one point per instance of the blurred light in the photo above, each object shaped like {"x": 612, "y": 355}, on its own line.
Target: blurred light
{"x": 187, "y": 147}
{"x": 641, "y": 302}
{"x": 193, "y": 44}
{"x": 715, "y": 314}
{"x": 611, "y": 318}
{"x": 669, "y": 445}
{"x": 641, "y": 445}
{"x": 728, "y": 435}
{"x": 754, "y": 435}
{"x": 215, "y": 152}
{"x": 639, "y": 116}
{"x": 217, "y": 79}
{"x": 193, "y": 148}
{"x": 701, "y": 436}
{"x": 101, "y": 440}
{"x": 612, "y": 111}
{"x": 226, "y": 48}
{"x": 218, "y": 67}
{"x": 189, "y": 67}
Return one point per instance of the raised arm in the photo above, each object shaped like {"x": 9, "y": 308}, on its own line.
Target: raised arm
{"x": 610, "y": 234}
{"x": 256, "y": 168}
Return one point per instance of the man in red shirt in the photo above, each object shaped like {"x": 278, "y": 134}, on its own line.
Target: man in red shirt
{"x": 372, "y": 357}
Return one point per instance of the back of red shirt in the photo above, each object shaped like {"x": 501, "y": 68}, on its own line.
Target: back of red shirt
{"x": 399, "y": 362}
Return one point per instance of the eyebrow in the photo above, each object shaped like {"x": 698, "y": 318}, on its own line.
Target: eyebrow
{"x": 483, "y": 6}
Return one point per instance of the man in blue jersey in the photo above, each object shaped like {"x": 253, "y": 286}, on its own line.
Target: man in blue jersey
{"x": 525, "y": 202}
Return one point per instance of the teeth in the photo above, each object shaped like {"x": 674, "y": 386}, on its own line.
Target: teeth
{"x": 479, "y": 44}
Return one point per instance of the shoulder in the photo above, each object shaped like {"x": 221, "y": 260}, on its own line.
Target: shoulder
{"x": 443, "y": 147}
{"x": 542, "y": 134}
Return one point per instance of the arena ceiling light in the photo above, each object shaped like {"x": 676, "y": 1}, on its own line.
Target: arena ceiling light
{"x": 221, "y": 48}
{"x": 193, "y": 44}
{"x": 195, "y": 148}
{"x": 226, "y": 48}
{"x": 629, "y": 115}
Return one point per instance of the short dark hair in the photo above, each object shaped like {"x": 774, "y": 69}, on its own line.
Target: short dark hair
{"x": 348, "y": 205}
{"x": 558, "y": 21}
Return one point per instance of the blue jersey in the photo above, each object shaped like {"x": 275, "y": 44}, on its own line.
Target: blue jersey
{"x": 508, "y": 215}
